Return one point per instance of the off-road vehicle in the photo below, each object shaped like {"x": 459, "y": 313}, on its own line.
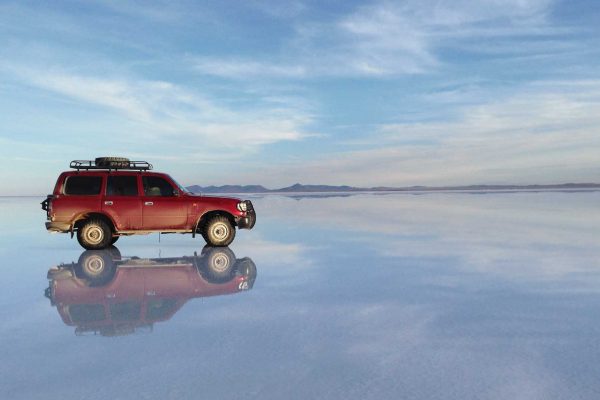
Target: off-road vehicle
{"x": 103, "y": 199}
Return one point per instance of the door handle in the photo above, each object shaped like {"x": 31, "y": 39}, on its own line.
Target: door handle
{"x": 108, "y": 203}
{"x": 148, "y": 203}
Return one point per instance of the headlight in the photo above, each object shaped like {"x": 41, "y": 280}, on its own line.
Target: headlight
{"x": 242, "y": 206}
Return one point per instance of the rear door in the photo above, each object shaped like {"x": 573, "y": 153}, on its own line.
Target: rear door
{"x": 122, "y": 201}
{"x": 162, "y": 206}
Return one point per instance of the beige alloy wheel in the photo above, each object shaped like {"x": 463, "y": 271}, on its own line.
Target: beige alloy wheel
{"x": 94, "y": 234}
{"x": 217, "y": 264}
{"x": 219, "y": 231}
{"x": 220, "y": 262}
{"x": 94, "y": 265}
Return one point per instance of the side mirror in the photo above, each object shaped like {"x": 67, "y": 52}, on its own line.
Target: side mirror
{"x": 175, "y": 192}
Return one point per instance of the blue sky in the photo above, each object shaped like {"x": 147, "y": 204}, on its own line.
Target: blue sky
{"x": 400, "y": 93}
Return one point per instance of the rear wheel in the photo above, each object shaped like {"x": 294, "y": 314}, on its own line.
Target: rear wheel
{"x": 94, "y": 234}
{"x": 219, "y": 231}
{"x": 115, "y": 254}
{"x": 96, "y": 267}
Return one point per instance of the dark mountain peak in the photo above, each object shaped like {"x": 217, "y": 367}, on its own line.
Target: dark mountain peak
{"x": 300, "y": 188}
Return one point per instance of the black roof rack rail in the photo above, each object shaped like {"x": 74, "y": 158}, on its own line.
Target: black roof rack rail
{"x": 115, "y": 165}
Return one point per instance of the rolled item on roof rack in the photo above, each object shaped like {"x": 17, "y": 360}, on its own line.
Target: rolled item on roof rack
{"x": 110, "y": 163}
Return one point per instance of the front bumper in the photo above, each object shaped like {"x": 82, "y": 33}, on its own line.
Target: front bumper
{"x": 249, "y": 220}
{"x": 58, "y": 226}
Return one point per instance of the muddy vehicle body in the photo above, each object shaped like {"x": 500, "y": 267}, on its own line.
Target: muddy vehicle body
{"x": 102, "y": 200}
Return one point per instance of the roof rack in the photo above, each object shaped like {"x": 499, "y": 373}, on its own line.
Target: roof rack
{"x": 114, "y": 165}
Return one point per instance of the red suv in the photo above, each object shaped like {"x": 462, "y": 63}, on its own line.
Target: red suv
{"x": 110, "y": 197}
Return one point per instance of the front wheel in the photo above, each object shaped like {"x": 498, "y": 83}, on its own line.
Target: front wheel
{"x": 94, "y": 234}
{"x": 219, "y": 231}
{"x": 217, "y": 264}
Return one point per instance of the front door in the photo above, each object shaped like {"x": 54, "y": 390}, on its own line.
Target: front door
{"x": 162, "y": 207}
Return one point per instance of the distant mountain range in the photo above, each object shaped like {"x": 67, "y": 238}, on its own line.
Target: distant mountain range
{"x": 299, "y": 188}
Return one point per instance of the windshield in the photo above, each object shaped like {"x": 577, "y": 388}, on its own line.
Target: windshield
{"x": 182, "y": 188}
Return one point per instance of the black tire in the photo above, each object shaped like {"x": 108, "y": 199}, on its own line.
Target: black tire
{"x": 112, "y": 162}
{"x": 204, "y": 235}
{"x": 218, "y": 231}
{"x": 114, "y": 251}
{"x": 95, "y": 267}
{"x": 114, "y": 239}
{"x": 246, "y": 267}
{"x": 217, "y": 264}
{"x": 94, "y": 234}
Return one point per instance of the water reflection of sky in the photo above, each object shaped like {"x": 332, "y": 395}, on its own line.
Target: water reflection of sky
{"x": 489, "y": 296}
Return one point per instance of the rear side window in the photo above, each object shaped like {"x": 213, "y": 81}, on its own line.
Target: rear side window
{"x": 121, "y": 186}
{"x": 83, "y": 185}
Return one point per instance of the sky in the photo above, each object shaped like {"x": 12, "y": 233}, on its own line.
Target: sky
{"x": 392, "y": 93}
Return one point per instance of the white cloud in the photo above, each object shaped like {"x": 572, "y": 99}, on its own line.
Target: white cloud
{"x": 246, "y": 69}
{"x": 460, "y": 12}
{"x": 382, "y": 41}
{"x": 390, "y": 38}
{"x": 547, "y": 133}
{"x": 278, "y": 9}
{"x": 162, "y": 108}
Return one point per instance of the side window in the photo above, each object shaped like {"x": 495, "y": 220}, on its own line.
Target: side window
{"x": 86, "y": 312}
{"x": 157, "y": 309}
{"x": 83, "y": 185}
{"x": 127, "y": 311}
{"x": 155, "y": 186}
{"x": 121, "y": 186}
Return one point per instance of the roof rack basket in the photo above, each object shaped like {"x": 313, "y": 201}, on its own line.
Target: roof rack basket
{"x": 114, "y": 165}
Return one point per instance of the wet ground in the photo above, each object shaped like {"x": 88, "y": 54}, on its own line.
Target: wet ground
{"x": 412, "y": 296}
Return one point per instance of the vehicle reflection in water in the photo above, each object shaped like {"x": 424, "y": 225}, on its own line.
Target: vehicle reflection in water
{"x": 103, "y": 293}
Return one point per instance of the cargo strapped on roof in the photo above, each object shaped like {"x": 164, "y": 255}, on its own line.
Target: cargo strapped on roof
{"x": 116, "y": 165}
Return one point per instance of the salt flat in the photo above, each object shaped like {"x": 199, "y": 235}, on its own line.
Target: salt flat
{"x": 429, "y": 296}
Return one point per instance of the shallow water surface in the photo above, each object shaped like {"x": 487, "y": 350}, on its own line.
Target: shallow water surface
{"x": 414, "y": 296}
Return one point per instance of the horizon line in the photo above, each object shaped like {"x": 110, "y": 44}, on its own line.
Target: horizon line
{"x": 581, "y": 185}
